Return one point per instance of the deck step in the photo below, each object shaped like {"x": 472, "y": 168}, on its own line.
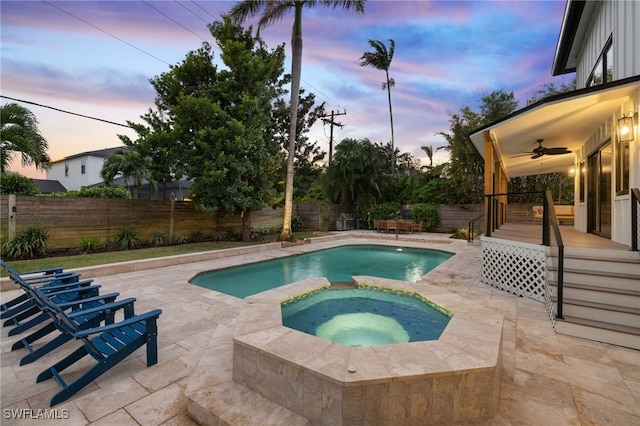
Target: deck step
{"x": 599, "y": 331}
{"x": 611, "y": 314}
{"x": 623, "y": 298}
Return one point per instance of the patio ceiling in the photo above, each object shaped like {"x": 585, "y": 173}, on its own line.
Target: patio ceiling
{"x": 565, "y": 120}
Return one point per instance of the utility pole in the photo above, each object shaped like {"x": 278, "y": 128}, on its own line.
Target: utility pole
{"x": 326, "y": 120}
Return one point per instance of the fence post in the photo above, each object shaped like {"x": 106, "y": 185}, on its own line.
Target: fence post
{"x": 171, "y": 217}
{"x": 13, "y": 212}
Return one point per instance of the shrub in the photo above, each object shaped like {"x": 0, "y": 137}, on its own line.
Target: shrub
{"x": 127, "y": 238}
{"x": 158, "y": 239}
{"x": 197, "y": 236}
{"x": 297, "y": 223}
{"x": 27, "y": 244}
{"x": 15, "y": 183}
{"x": 89, "y": 243}
{"x": 428, "y": 214}
{"x": 179, "y": 239}
{"x": 95, "y": 192}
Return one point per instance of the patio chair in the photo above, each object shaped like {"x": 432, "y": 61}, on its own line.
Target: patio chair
{"x": 109, "y": 345}
{"x": 391, "y": 226}
{"x": 66, "y": 293}
{"x": 41, "y": 278}
{"x": 404, "y": 227}
{"x": 85, "y": 313}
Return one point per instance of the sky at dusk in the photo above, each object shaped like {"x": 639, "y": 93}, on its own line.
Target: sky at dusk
{"x": 95, "y": 58}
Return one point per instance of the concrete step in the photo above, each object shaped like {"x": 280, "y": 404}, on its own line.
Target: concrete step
{"x": 613, "y": 281}
{"x": 599, "y": 294}
{"x": 601, "y": 312}
{"x": 599, "y": 331}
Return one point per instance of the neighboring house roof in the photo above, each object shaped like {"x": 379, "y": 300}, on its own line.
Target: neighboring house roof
{"x": 49, "y": 186}
{"x": 97, "y": 153}
{"x": 566, "y": 120}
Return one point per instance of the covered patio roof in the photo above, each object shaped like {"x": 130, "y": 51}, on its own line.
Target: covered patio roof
{"x": 565, "y": 120}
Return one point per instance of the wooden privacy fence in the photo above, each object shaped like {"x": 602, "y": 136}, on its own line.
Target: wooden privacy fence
{"x": 69, "y": 220}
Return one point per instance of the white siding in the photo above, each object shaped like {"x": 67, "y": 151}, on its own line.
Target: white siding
{"x": 622, "y": 19}
{"x": 76, "y": 179}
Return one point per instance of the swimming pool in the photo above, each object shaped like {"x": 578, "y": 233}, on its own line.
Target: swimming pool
{"x": 336, "y": 264}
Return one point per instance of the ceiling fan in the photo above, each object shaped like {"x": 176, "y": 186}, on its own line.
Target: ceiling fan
{"x": 540, "y": 150}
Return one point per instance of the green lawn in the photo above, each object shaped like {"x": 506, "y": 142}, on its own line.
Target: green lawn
{"x": 71, "y": 262}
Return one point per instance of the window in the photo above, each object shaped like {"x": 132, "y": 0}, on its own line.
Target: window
{"x": 83, "y": 166}
{"x": 603, "y": 70}
{"x": 66, "y": 169}
{"x": 622, "y": 168}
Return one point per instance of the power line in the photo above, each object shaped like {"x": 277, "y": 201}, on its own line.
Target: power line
{"x": 104, "y": 31}
{"x": 171, "y": 19}
{"x": 191, "y": 11}
{"x": 203, "y": 9}
{"x": 66, "y": 112}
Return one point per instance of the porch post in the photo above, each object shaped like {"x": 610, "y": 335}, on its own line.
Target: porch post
{"x": 488, "y": 183}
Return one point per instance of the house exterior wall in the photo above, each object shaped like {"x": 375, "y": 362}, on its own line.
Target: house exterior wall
{"x": 75, "y": 178}
{"x": 619, "y": 19}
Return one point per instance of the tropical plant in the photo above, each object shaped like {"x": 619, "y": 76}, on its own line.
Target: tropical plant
{"x": 427, "y": 214}
{"x": 19, "y": 134}
{"x": 158, "y": 239}
{"x": 356, "y": 174}
{"x": 272, "y": 11}
{"x": 130, "y": 164}
{"x": 15, "y": 183}
{"x": 31, "y": 242}
{"x": 127, "y": 238}
{"x": 89, "y": 243}
{"x": 380, "y": 59}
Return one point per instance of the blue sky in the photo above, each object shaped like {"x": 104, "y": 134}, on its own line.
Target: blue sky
{"x": 96, "y": 58}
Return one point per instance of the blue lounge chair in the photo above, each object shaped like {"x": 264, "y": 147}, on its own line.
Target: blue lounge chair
{"x": 85, "y": 313}
{"x": 109, "y": 345}
{"x": 65, "y": 293}
{"x": 40, "y": 278}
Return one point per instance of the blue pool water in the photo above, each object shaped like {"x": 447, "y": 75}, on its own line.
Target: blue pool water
{"x": 336, "y": 264}
{"x": 365, "y": 317}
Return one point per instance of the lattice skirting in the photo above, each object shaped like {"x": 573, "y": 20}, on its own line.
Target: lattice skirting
{"x": 516, "y": 267}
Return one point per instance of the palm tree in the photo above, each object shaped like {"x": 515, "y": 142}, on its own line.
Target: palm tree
{"x": 273, "y": 11}
{"x": 380, "y": 59}
{"x": 20, "y": 133}
{"x": 129, "y": 164}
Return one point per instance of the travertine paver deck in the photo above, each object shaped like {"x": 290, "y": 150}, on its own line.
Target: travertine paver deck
{"x": 547, "y": 378}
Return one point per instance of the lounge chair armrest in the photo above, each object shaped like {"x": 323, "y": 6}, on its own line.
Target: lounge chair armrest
{"x": 55, "y": 270}
{"x": 79, "y": 302}
{"x": 112, "y": 306}
{"x": 44, "y": 279}
{"x": 63, "y": 286}
{"x": 69, "y": 290}
{"x": 151, "y": 315}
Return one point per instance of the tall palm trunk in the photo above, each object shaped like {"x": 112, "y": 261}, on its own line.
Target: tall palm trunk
{"x": 393, "y": 150}
{"x": 296, "y": 74}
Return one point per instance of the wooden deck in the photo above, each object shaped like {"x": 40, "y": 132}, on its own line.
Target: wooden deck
{"x": 532, "y": 233}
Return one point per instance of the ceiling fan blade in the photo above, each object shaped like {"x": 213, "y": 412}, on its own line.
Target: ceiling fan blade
{"x": 521, "y": 155}
{"x": 557, "y": 151}
{"x": 537, "y": 155}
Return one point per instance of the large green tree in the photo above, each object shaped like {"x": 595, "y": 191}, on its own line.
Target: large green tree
{"x": 272, "y": 11}
{"x": 380, "y": 59}
{"x": 20, "y": 135}
{"x": 210, "y": 123}
{"x": 357, "y": 173}
{"x": 465, "y": 168}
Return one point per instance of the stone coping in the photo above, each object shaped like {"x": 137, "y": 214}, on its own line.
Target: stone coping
{"x": 471, "y": 340}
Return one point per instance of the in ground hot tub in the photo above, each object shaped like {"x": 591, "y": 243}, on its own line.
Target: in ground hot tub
{"x": 366, "y": 316}
{"x": 456, "y": 377}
